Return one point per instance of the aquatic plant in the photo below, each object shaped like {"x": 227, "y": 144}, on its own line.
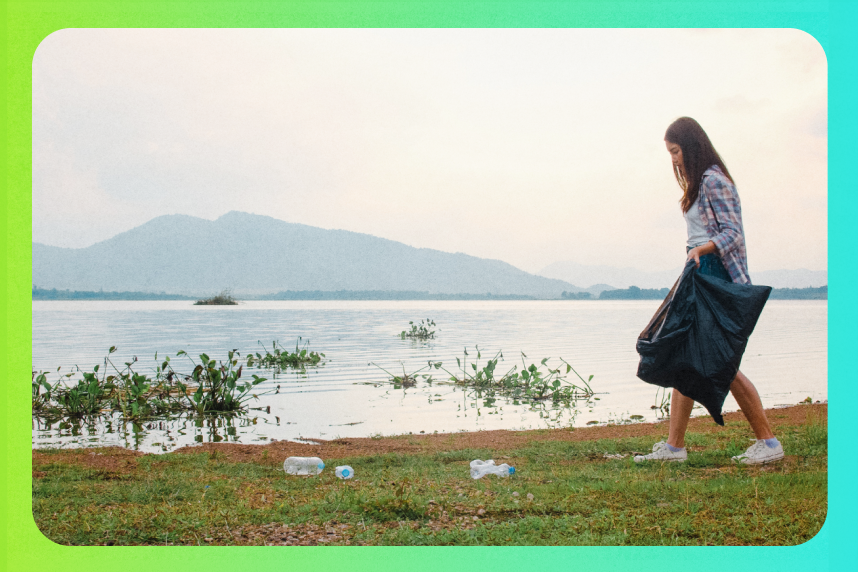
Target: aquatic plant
{"x": 211, "y": 387}
{"x": 419, "y": 331}
{"x": 42, "y": 391}
{"x": 282, "y": 358}
{"x": 531, "y": 382}
{"x": 223, "y": 299}
{"x": 662, "y": 400}
{"x": 85, "y": 398}
{"x": 136, "y": 395}
{"x": 132, "y": 394}
{"x": 406, "y": 379}
{"x": 217, "y": 385}
{"x": 481, "y": 377}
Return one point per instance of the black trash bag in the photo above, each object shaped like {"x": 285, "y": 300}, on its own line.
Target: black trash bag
{"x": 695, "y": 341}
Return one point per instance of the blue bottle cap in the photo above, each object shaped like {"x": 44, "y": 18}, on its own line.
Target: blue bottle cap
{"x": 321, "y": 466}
{"x": 346, "y": 472}
{"x": 512, "y": 470}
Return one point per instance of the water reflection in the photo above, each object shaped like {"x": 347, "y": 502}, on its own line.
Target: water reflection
{"x": 162, "y": 434}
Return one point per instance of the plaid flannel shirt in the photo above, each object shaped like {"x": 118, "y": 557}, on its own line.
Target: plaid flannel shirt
{"x": 721, "y": 214}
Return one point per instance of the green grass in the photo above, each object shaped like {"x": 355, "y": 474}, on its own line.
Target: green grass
{"x": 578, "y": 498}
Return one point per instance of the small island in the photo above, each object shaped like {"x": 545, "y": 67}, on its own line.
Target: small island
{"x": 223, "y": 299}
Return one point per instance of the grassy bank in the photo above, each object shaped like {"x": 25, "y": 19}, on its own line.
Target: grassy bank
{"x": 416, "y": 490}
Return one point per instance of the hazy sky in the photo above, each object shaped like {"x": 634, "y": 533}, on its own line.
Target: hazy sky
{"x": 528, "y": 146}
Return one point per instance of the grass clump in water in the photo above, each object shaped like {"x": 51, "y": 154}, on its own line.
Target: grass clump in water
{"x": 281, "y": 358}
{"x": 533, "y": 382}
{"x": 420, "y": 331}
{"x": 211, "y": 387}
{"x": 407, "y": 379}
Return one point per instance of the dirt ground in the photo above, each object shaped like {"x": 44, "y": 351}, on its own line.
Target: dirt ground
{"x": 119, "y": 460}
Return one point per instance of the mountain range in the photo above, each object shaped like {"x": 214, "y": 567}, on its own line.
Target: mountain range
{"x": 255, "y": 255}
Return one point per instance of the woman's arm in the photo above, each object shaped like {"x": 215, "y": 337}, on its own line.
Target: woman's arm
{"x": 698, "y": 251}
{"x": 724, "y": 202}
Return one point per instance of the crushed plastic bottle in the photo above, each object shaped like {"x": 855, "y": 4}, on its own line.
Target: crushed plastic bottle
{"x": 344, "y": 472}
{"x": 303, "y": 465}
{"x": 479, "y": 469}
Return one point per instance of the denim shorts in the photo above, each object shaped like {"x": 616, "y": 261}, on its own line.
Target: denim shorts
{"x": 710, "y": 265}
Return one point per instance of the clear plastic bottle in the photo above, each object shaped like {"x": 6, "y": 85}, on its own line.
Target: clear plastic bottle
{"x": 303, "y": 465}
{"x": 479, "y": 469}
{"x": 480, "y": 463}
{"x": 344, "y": 472}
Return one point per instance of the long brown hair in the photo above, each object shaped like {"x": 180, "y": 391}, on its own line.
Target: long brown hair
{"x": 698, "y": 154}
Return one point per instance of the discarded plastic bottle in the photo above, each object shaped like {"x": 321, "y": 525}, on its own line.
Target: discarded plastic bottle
{"x": 303, "y": 465}
{"x": 479, "y": 469}
{"x": 344, "y": 472}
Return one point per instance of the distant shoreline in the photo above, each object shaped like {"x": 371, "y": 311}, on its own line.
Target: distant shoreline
{"x": 632, "y": 293}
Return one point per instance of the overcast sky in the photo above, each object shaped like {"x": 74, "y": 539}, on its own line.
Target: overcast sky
{"x": 528, "y": 146}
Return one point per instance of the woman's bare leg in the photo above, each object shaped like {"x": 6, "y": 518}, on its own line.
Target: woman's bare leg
{"x": 680, "y": 411}
{"x": 749, "y": 401}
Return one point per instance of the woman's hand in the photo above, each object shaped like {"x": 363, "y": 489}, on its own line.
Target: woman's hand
{"x": 698, "y": 251}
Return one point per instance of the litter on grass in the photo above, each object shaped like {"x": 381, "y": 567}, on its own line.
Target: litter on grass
{"x": 480, "y": 468}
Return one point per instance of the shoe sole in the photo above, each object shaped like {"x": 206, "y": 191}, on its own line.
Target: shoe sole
{"x": 763, "y": 462}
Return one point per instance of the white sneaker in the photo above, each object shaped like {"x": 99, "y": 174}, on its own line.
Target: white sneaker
{"x": 760, "y": 453}
{"x": 661, "y": 452}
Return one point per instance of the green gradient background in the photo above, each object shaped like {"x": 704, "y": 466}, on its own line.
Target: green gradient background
{"x": 28, "y": 23}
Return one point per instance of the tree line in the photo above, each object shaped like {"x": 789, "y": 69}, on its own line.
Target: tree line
{"x": 635, "y": 293}
{"x": 630, "y": 293}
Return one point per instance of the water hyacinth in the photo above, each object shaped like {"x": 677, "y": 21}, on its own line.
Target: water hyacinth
{"x": 533, "y": 382}
{"x": 419, "y": 331}
{"x": 530, "y": 383}
{"x": 281, "y": 358}
{"x": 211, "y": 387}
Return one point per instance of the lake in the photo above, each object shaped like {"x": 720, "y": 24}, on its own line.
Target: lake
{"x": 786, "y": 359}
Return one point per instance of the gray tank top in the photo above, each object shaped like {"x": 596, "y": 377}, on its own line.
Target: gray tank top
{"x": 697, "y": 234}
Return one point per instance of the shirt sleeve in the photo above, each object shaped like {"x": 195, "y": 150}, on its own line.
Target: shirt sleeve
{"x": 724, "y": 201}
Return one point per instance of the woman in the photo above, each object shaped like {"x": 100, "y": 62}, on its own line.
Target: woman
{"x": 716, "y": 243}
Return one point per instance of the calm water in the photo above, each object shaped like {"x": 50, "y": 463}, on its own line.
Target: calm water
{"x": 786, "y": 359}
